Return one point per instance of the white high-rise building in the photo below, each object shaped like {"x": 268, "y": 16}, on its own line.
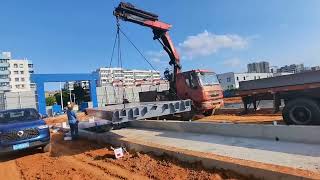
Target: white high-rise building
{"x": 4, "y": 71}
{"x": 117, "y": 76}
{"x": 15, "y": 74}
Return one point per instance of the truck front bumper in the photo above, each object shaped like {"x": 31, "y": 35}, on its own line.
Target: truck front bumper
{"x": 212, "y": 104}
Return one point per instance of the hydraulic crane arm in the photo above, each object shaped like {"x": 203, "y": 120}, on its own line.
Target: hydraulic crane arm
{"x": 128, "y": 12}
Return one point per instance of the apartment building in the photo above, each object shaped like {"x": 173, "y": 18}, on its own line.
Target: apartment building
{"x": 118, "y": 76}
{"x": 259, "y": 67}
{"x": 4, "y": 71}
{"x": 15, "y": 74}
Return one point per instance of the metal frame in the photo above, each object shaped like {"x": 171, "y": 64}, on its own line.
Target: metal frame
{"x": 40, "y": 79}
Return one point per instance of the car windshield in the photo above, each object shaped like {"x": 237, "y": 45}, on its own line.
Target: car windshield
{"x": 18, "y": 115}
{"x": 208, "y": 78}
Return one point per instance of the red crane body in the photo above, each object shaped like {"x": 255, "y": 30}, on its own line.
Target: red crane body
{"x": 201, "y": 86}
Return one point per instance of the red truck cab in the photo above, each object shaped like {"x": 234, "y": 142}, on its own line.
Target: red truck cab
{"x": 202, "y": 87}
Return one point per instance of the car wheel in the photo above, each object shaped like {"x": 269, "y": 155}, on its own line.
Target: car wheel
{"x": 301, "y": 111}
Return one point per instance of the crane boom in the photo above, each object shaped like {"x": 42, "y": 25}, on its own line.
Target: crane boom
{"x": 127, "y": 12}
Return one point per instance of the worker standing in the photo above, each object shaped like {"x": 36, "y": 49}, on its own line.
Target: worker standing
{"x": 73, "y": 122}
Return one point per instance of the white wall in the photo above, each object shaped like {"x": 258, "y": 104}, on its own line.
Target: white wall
{"x": 231, "y": 80}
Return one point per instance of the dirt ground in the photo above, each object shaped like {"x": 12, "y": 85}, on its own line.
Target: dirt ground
{"x": 232, "y": 100}
{"x": 263, "y": 116}
{"x": 63, "y": 118}
{"x": 83, "y": 160}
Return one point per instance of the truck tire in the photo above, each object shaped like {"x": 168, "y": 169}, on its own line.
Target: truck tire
{"x": 209, "y": 112}
{"x": 302, "y": 111}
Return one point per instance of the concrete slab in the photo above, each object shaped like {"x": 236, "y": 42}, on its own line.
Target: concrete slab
{"x": 136, "y": 111}
{"x": 296, "y": 155}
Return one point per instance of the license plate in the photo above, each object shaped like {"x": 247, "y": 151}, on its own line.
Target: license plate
{"x": 20, "y": 146}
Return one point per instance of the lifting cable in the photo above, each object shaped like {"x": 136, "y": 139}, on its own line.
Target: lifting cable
{"x": 117, "y": 43}
{"x": 119, "y": 53}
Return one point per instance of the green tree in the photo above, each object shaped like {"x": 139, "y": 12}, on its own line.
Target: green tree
{"x": 65, "y": 97}
{"x": 50, "y": 101}
{"x": 82, "y": 95}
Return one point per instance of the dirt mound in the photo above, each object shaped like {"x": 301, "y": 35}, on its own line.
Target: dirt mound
{"x": 86, "y": 160}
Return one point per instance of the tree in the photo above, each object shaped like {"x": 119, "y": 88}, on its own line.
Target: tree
{"x": 50, "y": 101}
{"x": 65, "y": 97}
{"x": 82, "y": 95}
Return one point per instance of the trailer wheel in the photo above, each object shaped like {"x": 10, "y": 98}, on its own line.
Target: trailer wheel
{"x": 301, "y": 111}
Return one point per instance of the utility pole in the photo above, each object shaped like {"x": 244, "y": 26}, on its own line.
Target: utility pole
{"x": 61, "y": 98}
{"x": 70, "y": 96}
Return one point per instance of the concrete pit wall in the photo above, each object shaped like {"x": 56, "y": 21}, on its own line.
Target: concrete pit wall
{"x": 303, "y": 134}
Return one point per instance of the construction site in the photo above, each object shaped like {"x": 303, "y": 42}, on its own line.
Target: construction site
{"x": 185, "y": 128}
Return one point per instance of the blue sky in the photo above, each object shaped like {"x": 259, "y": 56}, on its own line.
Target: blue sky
{"x": 76, "y": 36}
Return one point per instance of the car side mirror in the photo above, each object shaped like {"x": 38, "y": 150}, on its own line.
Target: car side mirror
{"x": 42, "y": 116}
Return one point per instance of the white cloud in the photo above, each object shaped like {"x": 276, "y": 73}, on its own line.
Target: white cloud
{"x": 156, "y": 56}
{"x": 233, "y": 62}
{"x": 206, "y": 43}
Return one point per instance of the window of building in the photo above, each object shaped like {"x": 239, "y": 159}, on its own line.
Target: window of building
{"x": 237, "y": 78}
{"x": 30, "y": 65}
{"x": 21, "y": 72}
{"x": 244, "y": 78}
{"x": 15, "y": 65}
{"x": 18, "y": 86}
{"x": 16, "y": 79}
{"x": 22, "y": 79}
{"x": 255, "y": 77}
{"x": 228, "y": 79}
{"x": 22, "y": 85}
{"x": 3, "y": 68}
{"x": 259, "y": 77}
{"x": 21, "y": 65}
{"x": 4, "y": 76}
{"x": 16, "y": 72}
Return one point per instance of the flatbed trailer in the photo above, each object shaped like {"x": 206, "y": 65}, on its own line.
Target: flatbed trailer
{"x": 300, "y": 93}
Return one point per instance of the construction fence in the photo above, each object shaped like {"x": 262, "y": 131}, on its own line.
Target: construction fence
{"x": 15, "y": 100}
{"x": 105, "y": 96}
{"x": 114, "y": 95}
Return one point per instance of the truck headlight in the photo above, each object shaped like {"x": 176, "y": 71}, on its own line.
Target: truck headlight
{"x": 43, "y": 127}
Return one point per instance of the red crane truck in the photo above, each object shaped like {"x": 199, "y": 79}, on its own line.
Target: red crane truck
{"x": 201, "y": 86}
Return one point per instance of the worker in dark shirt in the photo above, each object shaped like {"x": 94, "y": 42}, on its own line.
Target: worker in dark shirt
{"x": 73, "y": 122}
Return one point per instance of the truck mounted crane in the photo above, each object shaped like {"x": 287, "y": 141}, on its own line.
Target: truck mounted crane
{"x": 201, "y": 86}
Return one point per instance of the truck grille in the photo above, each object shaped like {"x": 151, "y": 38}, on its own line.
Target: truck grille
{"x": 214, "y": 93}
{"x": 14, "y": 135}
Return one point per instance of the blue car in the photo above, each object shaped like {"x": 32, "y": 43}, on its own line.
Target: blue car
{"x": 23, "y": 129}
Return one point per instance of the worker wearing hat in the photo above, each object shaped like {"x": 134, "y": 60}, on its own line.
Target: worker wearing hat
{"x": 73, "y": 122}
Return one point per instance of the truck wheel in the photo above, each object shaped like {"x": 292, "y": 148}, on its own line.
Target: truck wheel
{"x": 46, "y": 148}
{"x": 301, "y": 111}
{"x": 209, "y": 112}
